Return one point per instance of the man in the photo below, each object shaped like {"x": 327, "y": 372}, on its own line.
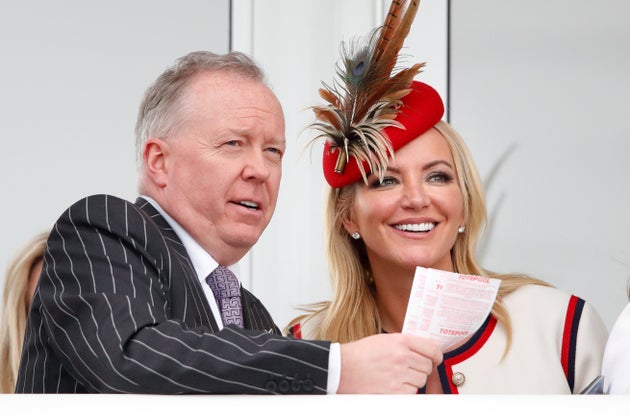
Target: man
{"x": 125, "y": 302}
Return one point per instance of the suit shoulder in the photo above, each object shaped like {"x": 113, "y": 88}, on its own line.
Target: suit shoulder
{"x": 100, "y": 199}
{"x": 101, "y": 203}
{"x": 107, "y": 212}
{"x": 95, "y": 202}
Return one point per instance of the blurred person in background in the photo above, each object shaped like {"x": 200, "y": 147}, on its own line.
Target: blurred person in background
{"x": 19, "y": 286}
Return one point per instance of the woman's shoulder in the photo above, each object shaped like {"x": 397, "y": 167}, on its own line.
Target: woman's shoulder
{"x": 543, "y": 294}
{"x": 546, "y": 303}
{"x": 305, "y": 327}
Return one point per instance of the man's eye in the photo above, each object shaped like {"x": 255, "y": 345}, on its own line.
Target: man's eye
{"x": 276, "y": 151}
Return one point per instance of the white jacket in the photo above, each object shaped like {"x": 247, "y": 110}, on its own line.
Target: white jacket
{"x": 557, "y": 346}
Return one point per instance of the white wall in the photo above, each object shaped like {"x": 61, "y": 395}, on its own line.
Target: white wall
{"x": 547, "y": 82}
{"x": 72, "y": 77}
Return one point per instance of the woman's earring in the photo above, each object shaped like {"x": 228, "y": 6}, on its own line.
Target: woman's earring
{"x": 461, "y": 229}
{"x": 355, "y": 235}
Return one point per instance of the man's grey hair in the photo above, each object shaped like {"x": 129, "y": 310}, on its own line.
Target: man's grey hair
{"x": 163, "y": 109}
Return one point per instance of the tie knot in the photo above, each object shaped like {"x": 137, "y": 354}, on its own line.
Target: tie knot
{"x": 223, "y": 283}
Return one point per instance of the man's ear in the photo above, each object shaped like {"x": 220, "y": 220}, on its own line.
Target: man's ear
{"x": 154, "y": 156}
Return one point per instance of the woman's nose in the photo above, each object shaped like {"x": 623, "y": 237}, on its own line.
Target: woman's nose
{"x": 414, "y": 196}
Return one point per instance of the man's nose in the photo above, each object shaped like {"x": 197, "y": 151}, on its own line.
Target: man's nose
{"x": 256, "y": 166}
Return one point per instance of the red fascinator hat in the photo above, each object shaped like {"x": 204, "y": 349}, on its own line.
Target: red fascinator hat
{"x": 420, "y": 110}
{"x": 374, "y": 108}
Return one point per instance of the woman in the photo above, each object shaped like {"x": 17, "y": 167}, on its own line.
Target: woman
{"x": 426, "y": 208}
{"x": 616, "y": 361}
{"x": 19, "y": 287}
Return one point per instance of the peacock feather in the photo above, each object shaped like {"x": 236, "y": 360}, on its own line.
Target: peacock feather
{"x": 366, "y": 93}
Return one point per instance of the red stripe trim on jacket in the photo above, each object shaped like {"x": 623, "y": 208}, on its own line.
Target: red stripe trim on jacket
{"x": 569, "y": 338}
{"x": 296, "y": 331}
{"x": 476, "y": 342}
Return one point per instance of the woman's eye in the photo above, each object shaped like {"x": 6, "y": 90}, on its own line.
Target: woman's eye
{"x": 440, "y": 177}
{"x": 385, "y": 182}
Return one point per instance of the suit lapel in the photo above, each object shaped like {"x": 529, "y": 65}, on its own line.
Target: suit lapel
{"x": 184, "y": 282}
{"x": 255, "y": 315}
{"x": 167, "y": 231}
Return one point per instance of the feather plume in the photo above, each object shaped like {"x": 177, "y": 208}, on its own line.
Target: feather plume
{"x": 365, "y": 97}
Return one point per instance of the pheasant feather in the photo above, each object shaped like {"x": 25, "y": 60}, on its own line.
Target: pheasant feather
{"x": 365, "y": 97}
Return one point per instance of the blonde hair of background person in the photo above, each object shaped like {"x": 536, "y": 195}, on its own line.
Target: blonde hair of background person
{"x": 19, "y": 286}
{"x": 353, "y": 313}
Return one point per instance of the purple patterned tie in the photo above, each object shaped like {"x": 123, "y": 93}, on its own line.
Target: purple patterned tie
{"x": 227, "y": 292}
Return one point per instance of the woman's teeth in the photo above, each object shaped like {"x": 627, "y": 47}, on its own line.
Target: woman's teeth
{"x": 415, "y": 227}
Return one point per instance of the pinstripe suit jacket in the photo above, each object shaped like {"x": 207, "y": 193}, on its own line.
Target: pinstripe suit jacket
{"x": 119, "y": 309}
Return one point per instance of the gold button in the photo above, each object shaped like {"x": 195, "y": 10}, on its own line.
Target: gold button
{"x": 458, "y": 379}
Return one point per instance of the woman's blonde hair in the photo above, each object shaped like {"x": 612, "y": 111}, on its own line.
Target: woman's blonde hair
{"x": 15, "y": 304}
{"x": 352, "y": 313}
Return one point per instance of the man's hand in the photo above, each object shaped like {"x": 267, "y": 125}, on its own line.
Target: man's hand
{"x": 387, "y": 364}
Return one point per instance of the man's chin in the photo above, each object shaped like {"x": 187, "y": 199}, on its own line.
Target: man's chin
{"x": 240, "y": 236}
{"x": 244, "y": 240}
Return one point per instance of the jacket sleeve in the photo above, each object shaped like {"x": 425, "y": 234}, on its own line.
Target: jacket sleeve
{"x": 589, "y": 350}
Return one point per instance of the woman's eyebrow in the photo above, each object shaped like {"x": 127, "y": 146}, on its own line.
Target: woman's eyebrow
{"x": 426, "y": 166}
{"x": 437, "y": 162}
